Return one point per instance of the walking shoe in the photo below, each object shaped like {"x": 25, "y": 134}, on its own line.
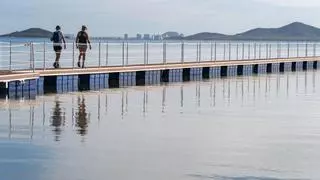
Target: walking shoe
{"x": 79, "y": 64}
{"x": 55, "y": 65}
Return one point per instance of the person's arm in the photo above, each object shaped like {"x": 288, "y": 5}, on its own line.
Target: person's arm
{"x": 64, "y": 41}
{"x": 89, "y": 41}
{"x": 77, "y": 41}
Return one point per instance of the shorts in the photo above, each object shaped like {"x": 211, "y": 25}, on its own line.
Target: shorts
{"x": 83, "y": 48}
{"x": 57, "y": 48}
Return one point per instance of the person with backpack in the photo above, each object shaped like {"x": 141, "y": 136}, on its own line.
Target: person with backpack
{"x": 82, "y": 42}
{"x": 57, "y": 39}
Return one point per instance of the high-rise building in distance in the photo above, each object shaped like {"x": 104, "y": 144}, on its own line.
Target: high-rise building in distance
{"x": 146, "y": 36}
{"x": 139, "y": 36}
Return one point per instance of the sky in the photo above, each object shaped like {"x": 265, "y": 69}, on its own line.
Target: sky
{"x": 116, "y": 17}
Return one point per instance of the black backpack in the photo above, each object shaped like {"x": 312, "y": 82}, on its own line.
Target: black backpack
{"x": 82, "y": 37}
{"x": 56, "y": 37}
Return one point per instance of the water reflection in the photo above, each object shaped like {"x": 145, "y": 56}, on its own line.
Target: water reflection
{"x": 82, "y": 117}
{"x": 124, "y": 103}
{"x": 10, "y": 123}
{"x": 247, "y": 91}
{"x": 164, "y": 95}
{"x": 58, "y": 119}
{"x": 239, "y": 121}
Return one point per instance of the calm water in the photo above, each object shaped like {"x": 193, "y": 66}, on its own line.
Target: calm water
{"x": 264, "y": 127}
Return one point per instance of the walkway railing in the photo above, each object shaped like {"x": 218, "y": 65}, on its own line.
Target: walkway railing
{"x": 35, "y": 55}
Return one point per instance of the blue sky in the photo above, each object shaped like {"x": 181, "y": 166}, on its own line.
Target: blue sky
{"x": 116, "y": 17}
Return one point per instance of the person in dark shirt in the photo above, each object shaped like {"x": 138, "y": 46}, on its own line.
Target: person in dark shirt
{"x": 82, "y": 42}
{"x": 57, "y": 39}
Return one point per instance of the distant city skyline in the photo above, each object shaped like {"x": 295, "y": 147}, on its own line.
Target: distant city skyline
{"x": 115, "y": 18}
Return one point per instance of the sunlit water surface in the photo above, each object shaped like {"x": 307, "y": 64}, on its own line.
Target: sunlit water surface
{"x": 265, "y": 127}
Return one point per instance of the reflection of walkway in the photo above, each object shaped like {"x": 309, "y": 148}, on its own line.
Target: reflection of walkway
{"x": 58, "y": 119}
{"x": 177, "y": 97}
{"x": 82, "y": 116}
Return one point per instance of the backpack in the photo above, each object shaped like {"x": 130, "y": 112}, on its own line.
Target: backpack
{"x": 56, "y": 37}
{"x": 82, "y": 37}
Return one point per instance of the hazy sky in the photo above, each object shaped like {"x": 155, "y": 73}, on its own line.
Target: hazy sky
{"x": 116, "y": 17}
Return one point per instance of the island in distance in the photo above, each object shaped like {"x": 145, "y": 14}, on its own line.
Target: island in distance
{"x": 291, "y": 32}
{"x": 31, "y": 33}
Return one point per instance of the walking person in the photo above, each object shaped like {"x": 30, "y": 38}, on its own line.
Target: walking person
{"x": 82, "y": 42}
{"x": 57, "y": 39}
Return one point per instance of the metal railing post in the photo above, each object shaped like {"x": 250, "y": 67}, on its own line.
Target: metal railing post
{"x": 99, "y": 53}
{"x": 259, "y": 51}
{"x": 200, "y": 47}
{"x": 127, "y": 56}
{"x": 182, "y": 52}
{"x": 237, "y": 51}
{"x": 211, "y": 51}
{"x": 242, "y": 51}
{"x": 33, "y": 59}
{"x": 30, "y": 47}
{"x": 314, "y": 49}
{"x": 73, "y": 54}
{"x": 44, "y": 55}
{"x": 147, "y": 53}
{"x": 164, "y": 53}
{"x": 144, "y": 53}
{"x": 197, "y": 52}
{"x": 298, "y": 49}
{"x": 215, "y": 51}
{"x": 224, "y": 51}
{"x": 306, "y": 49}
{"x": 255, "y": 51}
{"x": 107, "y": 53}
{"x": 288, "y": 50}
{"x": 229, "y": 51}
{"x": 277, "y": 54}
{"x": 10, "y": 56}
{"x": 249, "y": 50}
{"x": 270, "y": 51}
{"x": 267, "y": 52}
{"x": 280, "y": 50}
{"x": 122, "y": 53}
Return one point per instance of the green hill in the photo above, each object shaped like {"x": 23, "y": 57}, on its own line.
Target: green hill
{"x": 30, "y": 33}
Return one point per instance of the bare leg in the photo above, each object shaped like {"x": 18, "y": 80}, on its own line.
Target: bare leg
{"x": 83, "y": 59}
{"x": 56, "y": 63}
{"x": 58, "y": 56}
{"x": 79, "y": 60}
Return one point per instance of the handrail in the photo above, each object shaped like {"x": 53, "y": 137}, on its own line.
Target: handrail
{"x": 41, "y": 54}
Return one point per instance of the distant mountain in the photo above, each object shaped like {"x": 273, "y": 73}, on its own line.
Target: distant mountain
{"x": 206, "y": 36}
{"x": 30, "y": 33}
{"x": 293, "y": 31}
